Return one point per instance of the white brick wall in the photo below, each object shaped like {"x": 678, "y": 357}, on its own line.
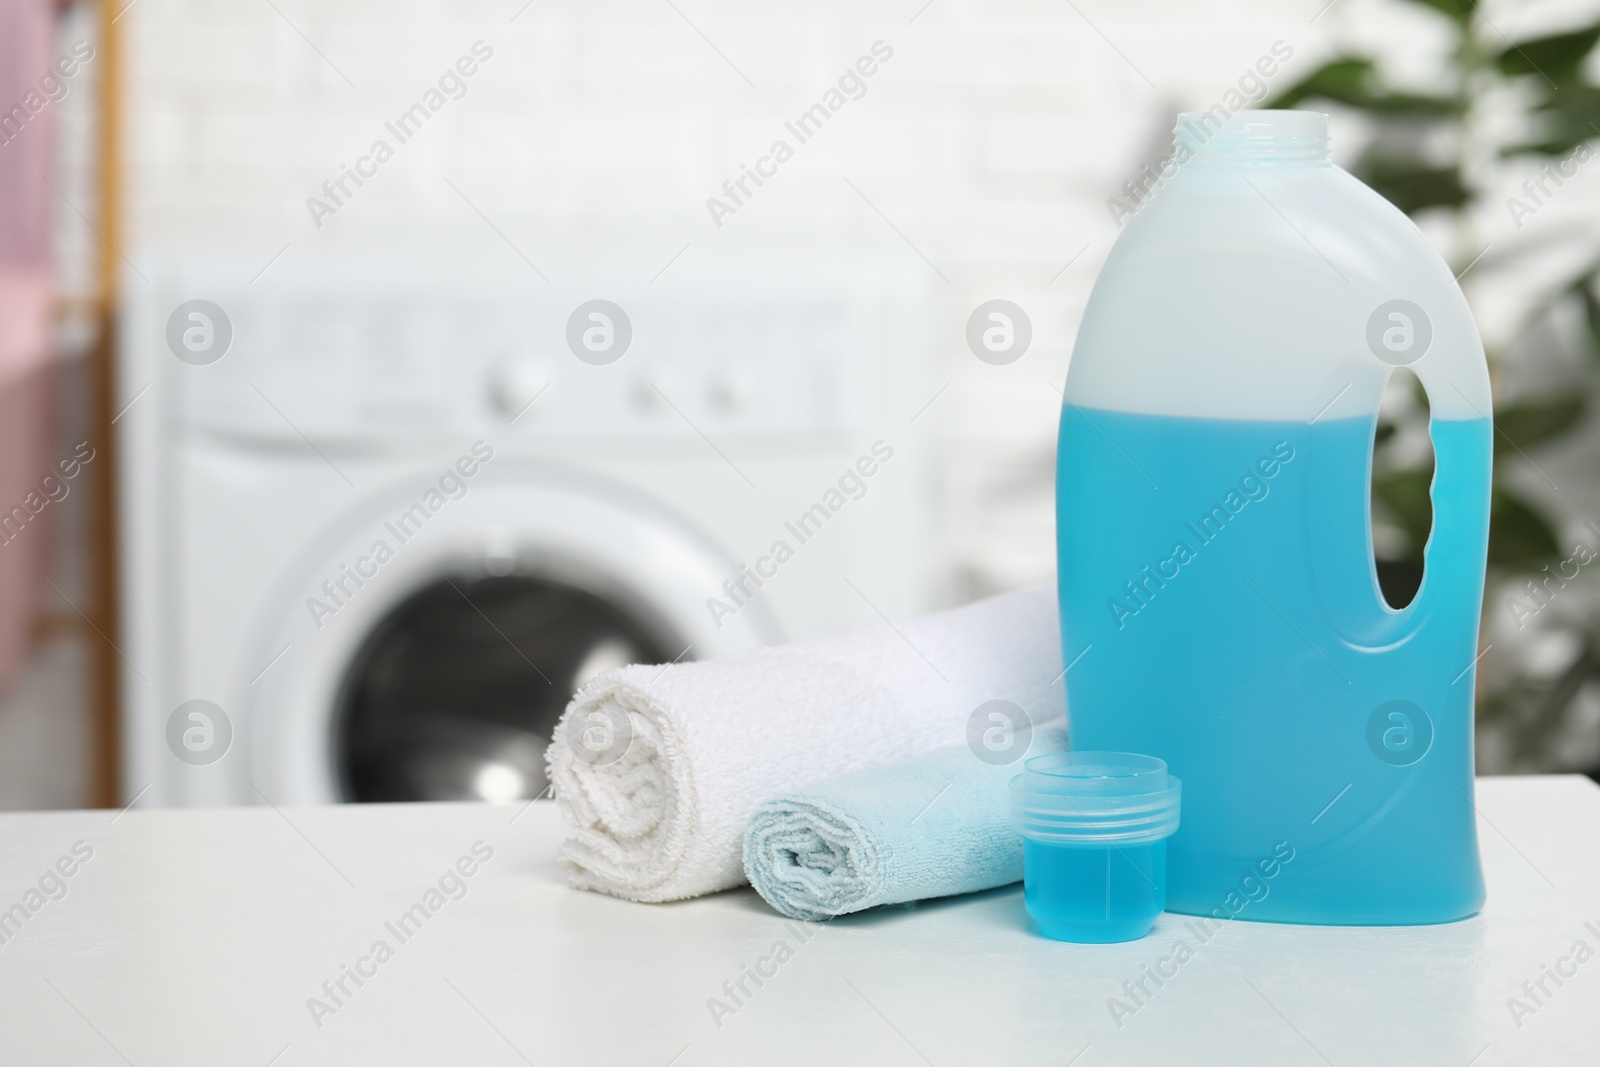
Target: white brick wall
{"x": 991, "y": 140}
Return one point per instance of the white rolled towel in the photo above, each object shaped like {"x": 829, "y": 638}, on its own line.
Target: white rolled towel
{"x": 659, "y": 769}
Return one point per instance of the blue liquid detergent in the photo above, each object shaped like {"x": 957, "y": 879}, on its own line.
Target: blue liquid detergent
{"x": 1217, "y": 583}
{"x": 1092, "y": 894}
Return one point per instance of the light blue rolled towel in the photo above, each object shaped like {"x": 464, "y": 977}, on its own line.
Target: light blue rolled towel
{"x": 929, "y": 826}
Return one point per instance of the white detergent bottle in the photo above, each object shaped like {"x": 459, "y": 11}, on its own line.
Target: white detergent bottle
{"x": 1219, "y": 601}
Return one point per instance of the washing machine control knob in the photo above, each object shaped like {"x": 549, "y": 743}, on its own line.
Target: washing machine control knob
{"x": 729, "y": 391}
{"x": 516, "y": 383}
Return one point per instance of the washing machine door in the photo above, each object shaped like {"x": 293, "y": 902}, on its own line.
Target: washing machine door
{"x": 430, "y": 660}
{"x": 455, "y": 692}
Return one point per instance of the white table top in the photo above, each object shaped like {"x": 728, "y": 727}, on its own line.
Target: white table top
{"x": 197, "y": 937}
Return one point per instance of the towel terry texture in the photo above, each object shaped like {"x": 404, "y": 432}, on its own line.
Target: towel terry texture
{"x": 688, "y": 752}
{"x": 929, "y": 826}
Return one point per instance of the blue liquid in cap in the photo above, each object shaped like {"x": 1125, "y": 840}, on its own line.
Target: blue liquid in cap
{"x": 1093, "y": 894}
{"x": 1219, "y": 574}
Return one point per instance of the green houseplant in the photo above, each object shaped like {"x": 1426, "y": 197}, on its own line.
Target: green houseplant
{"x": 1442, "y": 155}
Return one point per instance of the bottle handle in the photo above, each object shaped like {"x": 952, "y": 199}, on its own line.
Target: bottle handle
{"x": 1339, "y": 497}
{"x": 1454, "y": 555}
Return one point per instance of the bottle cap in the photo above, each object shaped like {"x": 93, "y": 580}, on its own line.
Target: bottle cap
{"x": 1095, "y": 798}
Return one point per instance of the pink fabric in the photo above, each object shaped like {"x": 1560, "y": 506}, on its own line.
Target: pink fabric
{"x": 27, "y": 155}
{"x": 27, "y": 130}
{"x": 25, "y": 326}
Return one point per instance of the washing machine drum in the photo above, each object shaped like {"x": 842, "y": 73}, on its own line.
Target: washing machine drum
{"x": 454, "y": 695}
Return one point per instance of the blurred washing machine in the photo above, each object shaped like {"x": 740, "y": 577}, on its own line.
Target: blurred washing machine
{"x": 382, "y": 514}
